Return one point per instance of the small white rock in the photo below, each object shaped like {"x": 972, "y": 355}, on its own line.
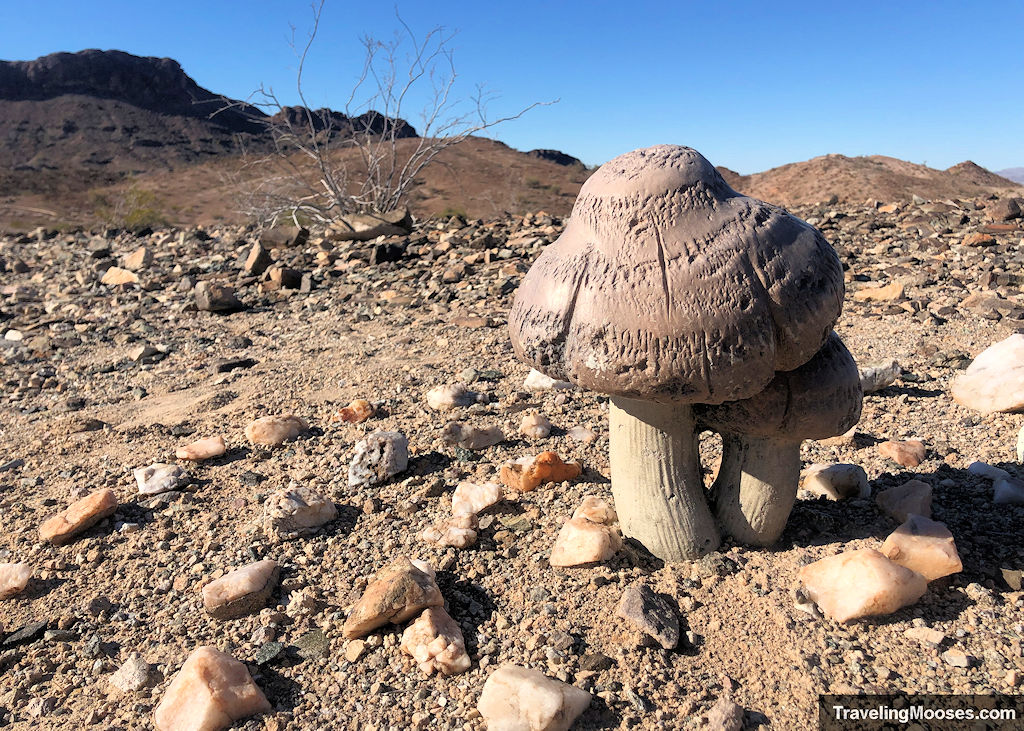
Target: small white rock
{"x": 458, "y": 531}
{"x": 435, "y": 642}
{"x": 879, "y": 375}
{"x": 836, "y": 481}
{"x": 471, "y": 498}
{"x": 535, "y": 426}
{"x": 377, "y": 458}
{"x": 581, "y": 434}
{"x": 518, "y": 699}
{"x": 452, "y": 395}
{"x": 13, "y": 578}
{"x": 133, "y": 675}
{"x": 537, "y": 381}
{"x": 296, "y": 511}
{"x": 913, "y": 497}
{"x": 159, "y": 477}
{"x": 472, "y": 437}
{"x": 861, "y": 583}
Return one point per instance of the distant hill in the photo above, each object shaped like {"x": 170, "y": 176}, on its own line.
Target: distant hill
{"x": 855, "y": 179}
{"x": 1014, "y": 174}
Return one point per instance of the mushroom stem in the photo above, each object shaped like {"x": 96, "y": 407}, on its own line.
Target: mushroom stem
{"x": 656, "y": 480}
{"x": 756, "y": 487}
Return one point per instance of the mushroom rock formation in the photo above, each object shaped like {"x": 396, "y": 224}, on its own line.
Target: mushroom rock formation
{"x": 669, "y": 289}
{"x": 757, "y": 482}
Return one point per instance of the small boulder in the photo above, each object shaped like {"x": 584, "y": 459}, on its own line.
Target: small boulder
{"x": 377, "y": 458}
{"x": 458, "y": 531}
{"x": 296, "y": 511}
{"x": 910, "y": 453}
{"x": 78, "y": 517}
{"x": 138, "y": 260}
{"x": 257, "y": 260}
{"x": 13, "y": 578}
{"x": 197, "y": 451}
{"x": 399, "y": 592}
{"x": 861, "y": 583}
{"x": 528, "y": 473}
{"x": 159, "y": 477}
{"x": 651, "y": 613}
{"x": 913, "y": 497}
{"x": 451, "y": 396}
{"x": 535, "y": 426}
{"x": 210, "y": 692}
{"x": 242, "y": 591}
{"x": 213, "y": 297}
{"x": 471, "y": 498}
{"x": 994, "y": 381}
{"x": 471, "y": 437}
{"x": 518, "y": 699}
{"x": 925, "y": 546}
{"x": 435, "y": 642}
{"x": 273, "y": 431}
{"x": 836, "y": 481}
{"x": 366, "y": 226}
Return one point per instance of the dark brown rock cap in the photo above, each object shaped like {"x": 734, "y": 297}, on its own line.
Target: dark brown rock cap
{"x": 820, "y": 399}
{"x": 669, "y": 285}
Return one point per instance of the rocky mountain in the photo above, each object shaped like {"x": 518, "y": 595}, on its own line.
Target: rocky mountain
{"x": 1014, "y": 174}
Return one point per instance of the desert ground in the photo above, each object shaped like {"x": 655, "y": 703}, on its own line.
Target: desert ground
{"x": 103, "y": 379}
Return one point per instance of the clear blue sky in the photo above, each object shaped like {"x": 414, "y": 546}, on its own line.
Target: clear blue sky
{"x": 752, "y": 85}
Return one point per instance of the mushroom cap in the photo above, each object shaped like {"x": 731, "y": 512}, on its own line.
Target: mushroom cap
{"x": 668, "y": 285}
{"x": 821, "y": 398}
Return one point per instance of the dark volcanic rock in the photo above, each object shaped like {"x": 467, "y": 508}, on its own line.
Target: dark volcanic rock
{"x": 555, "y": 156}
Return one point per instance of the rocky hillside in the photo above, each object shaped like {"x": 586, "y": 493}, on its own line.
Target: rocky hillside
{"x": 857, "y": 179}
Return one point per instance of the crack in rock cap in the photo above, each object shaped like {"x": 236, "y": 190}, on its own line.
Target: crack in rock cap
{"x": 668, "y": 285}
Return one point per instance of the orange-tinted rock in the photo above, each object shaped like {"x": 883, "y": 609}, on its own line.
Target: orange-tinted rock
{"x": 910, "y": 453}
{"x": 117, "y": 275}
{"x": 202, "y": 449}
{"x": 357, "y": 411}
{"x": 861, "y": 583}
{"x": 401, "y": 591}
{"x": 925, "y": 546}
{"x": 210, "y": 692}
{"x": 79, "y": 517}
{"x": 889, "y": 293}
{"x": 526, "y": 475}
{"x": 273, "y": 431}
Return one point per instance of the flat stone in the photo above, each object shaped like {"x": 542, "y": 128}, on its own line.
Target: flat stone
{"x": 242, "y": 591}
{"x": 435, "y": 642}
{"x": 836, "y": 481}
{"x": 273, "y": 431}
{"x": 472, "y": 498}
{"x": 650, "y": 613}
{"x": 861, "y": 583}
{"x": 399, "y": 592}
{"x": 159, "y": 477}
{"x": 313, "y": 644}
{"x": 133, "y": 675}
{"x": 926, "y": 635}
{"x": 994, "y": 381}
{"x": 925, "y": 546}
{"x": 355, "y": 650}
{"x": 26, "y": 633}
{"x": 910, "y": 453}
{"x": 296, "y": 511}
{"x": 378, "y": 457}
{"x": 528, "y": 473}
{"x": 957, "y": 658}
{"x": 471, "y": 437}
{"x": 210, "y": 692}
{"x": 118, "y": 276}
{"x": 213, "y": 297}
{"x": 518, "y": 699}
{"x": 139, "y": 259}
{"x": 201, "y": 449}
{"x": 13, "y": 578}
{"x": 268, "y": 651}
{"x": 913, "y": 497}
{"x": 458, "y": 531}
{"x": 887, "y": 293}
{"x": 78, "y": 517}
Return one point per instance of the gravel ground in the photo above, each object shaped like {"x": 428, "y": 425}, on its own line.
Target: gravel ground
{"x": 79, "y": 412}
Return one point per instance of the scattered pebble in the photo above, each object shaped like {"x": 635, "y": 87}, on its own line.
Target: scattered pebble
{"x": 273, "y": 431}
{"x": 197, "y": 451}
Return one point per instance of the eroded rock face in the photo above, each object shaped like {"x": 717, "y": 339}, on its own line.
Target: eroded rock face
{"x": 13, "y": 578}
{"x": 529, "y": 473}
{"x": 925, "y": 546}
{"x": 913, "y": 497}
{"x": 273, "y": 431}
{"x": 242, "y": 591}
{"x": 400, "y": 592}
{"x": 210, "y": 692}
{"x": 836, "y": 481}
{"x": 517, "y": 699}
{"x": 435, "y": 642}
{"x": 995, "y": 380}
{"x": 471, "y": 498}
{"x": 79, "y": 517}
{"x": 861, "y": 583}
{"x": 159, "y": 477}
{"x": 378, "y": 457}
{"x": 202, "y": 449}
{"x": 296, "y": 511}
